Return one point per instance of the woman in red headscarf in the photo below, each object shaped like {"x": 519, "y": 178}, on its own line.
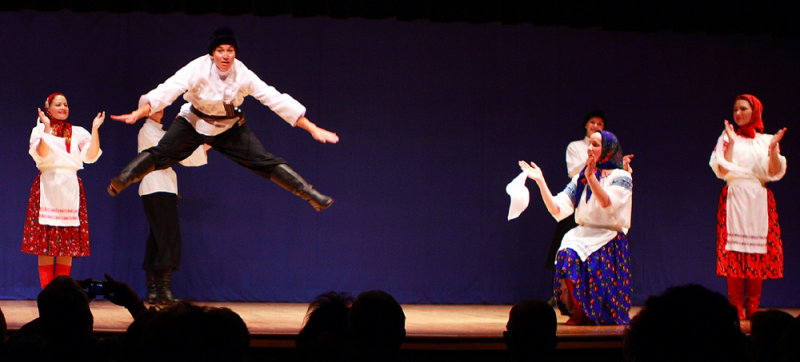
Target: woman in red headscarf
{"x": 56, "y": 227}
{"x": 749, "y": 247}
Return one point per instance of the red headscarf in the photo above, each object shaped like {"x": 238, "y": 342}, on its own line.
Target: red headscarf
{"x": 59, "y": 128}
{"x": 756, "y": 123}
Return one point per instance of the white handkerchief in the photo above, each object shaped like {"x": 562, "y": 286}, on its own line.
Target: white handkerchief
{"x": 520, "y": 196}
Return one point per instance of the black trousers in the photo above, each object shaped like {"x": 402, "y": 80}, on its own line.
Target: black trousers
{"x": 561, "y": 228}
{"x": 164, "y": 241}
{"x": 237, "y": 143}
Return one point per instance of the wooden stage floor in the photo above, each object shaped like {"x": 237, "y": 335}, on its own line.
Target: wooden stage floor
{"x": 429, "y": 327}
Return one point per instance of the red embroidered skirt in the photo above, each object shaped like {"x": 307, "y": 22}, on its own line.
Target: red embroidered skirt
{"x": 744, "y": 265}
{"x": 50, "y": 240}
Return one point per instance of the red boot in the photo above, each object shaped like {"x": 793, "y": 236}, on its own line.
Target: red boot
{"x": 63, "y": 269}
{"x": 578, "y": 317}
{"x": 46, "y": 274}
{"x": 752, "y": 296}
{"x": 736, "y": 294}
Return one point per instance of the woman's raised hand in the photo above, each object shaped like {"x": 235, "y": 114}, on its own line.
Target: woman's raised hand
{"x": 729, "y": 131}
{"x": 98, "y": 120}
{"x": 776, "y": 139}
{"x": 591, "y": 165}
{"x": 533, "y": 171}
{"x": 44, "y": 119}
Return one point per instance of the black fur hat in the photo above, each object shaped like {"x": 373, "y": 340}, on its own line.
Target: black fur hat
{"x": 221, "y": 36}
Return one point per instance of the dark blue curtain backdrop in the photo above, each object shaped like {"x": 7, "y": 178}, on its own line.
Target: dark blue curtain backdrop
{"x": 432, "y": 118}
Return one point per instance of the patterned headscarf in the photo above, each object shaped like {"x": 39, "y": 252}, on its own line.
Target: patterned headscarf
{"x": 610, "y": 158}
{"x": 756, "y": 123}
{"x": 59, "y": 128}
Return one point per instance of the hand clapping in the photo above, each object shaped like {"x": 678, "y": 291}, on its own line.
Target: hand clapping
{"x": 44, "y": 119}
{"x": 774, "y": 143}
{"x": 533, "y": 171}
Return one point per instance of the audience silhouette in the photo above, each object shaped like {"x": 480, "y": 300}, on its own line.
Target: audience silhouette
{"x": 63, "y": 330}
{"x": 325, "y": 335}
{"x": 766, "y": 330}
{"x": 187, "y": 332}
{"x": 378, "y": 325}
{"x": 686, "y": 323}
{"x": 3, "y": 330}
{"x": 790, "y": 342}
{"x": 531, "y": 331}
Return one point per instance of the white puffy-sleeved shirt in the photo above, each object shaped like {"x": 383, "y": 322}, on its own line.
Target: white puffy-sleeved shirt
{"x": 164, "y": 180}
{"x": 596, "y": 225}
{"x": 747, "y": 212}
{"x": 59, "y": 191}
{"x": 576, "y": 156}
{"x": 208, "y": 89}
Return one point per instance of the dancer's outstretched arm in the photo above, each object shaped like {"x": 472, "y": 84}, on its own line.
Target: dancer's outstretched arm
{"x": 535, "y": 173}
{"x": 131, "y": 118}
{"x": 319, "y": 134}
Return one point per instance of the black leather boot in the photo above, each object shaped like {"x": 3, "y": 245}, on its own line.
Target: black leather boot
{"x": 151, "y": 288}
{"x": 164, "y": 293}
{"x": 140, "y": 166}
{"x": 284, "y": 176}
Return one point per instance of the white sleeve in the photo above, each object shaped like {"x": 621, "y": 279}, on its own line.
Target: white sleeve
{"x": 617, "y": 215}
{"x": 281, "y": 103}
{"x": 197, "y": 158}
{"x": 37, "y": 133}
{"x": 84, "y": 141}
{"x": 564, "y": 201}
{"x": 166, "y": 93}
{"x": 576, "y": 160}
{"x": 766, "y": 139}
{"x": 147, "y": 137}
{"x": 718, "y": 155}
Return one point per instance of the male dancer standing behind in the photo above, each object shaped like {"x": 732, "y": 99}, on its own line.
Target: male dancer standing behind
{"x": 159, "y": 193}
{"x": 214, "y": 85}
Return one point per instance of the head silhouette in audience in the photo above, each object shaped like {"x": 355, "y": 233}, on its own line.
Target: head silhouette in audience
{"x": 531, "y": 331}
{"x": 3, "y": 328}
{"x": 766, "y": 330}
{"x": 686, "y": 323}
{"x": 325, "y": 336}
{"x": 63, "y": 330}
{"x": 378, "y": 325}
{"x": 789, "y": 345}
{"x": 187, "y": 332}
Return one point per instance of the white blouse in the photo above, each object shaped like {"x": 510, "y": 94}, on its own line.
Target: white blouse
{"x": 59, "y": 191}
{"x": 164, "y": 180}
{"x": 597, "y": 225}
{"x": 208, "y": 89}
{"x": 576, "y": 156}
{"x": 747, "y": 212}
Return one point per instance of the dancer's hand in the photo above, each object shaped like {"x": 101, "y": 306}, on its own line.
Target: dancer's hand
{"x": 626, "y": 162}
{"x": 324, "y": 136}
{"x": 318, "y": 133}
{"x": 533, "y": 171}
{"x": 98, "y": 120}
{"x": 730, "y": 132}
{"x": 591, "y": 165}
{"x": 774, "y": 143}
{"x": 131, "y": 118}
{"x": 45, "y": 120}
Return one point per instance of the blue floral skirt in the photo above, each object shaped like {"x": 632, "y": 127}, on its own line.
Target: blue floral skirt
{"x": 602, "y": 281}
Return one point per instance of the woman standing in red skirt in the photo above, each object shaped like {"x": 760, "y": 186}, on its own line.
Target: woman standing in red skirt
{"x": 749, "y": 247}
{"x": 56, "y": 227}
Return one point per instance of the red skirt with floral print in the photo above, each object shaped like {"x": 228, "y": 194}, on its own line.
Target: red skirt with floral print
{"x": 50, "y": 240}
{"x": 744, "y": 265}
